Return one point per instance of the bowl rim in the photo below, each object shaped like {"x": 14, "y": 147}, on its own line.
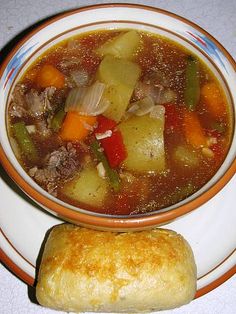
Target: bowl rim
{"x": 116, "y": 222}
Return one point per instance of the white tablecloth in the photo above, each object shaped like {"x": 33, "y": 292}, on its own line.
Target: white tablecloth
{"x": 218, "y": 18}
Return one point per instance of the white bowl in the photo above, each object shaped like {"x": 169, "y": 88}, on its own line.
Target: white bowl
{"x": 112, "y": 16}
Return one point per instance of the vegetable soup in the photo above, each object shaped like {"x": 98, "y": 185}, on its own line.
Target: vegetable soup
{"x": 120, "y": 122}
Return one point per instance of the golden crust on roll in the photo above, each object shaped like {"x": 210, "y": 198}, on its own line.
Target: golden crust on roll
{"x": 84, "y": 270}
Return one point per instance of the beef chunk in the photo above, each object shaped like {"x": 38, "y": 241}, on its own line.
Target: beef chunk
{"x": 59, "y": 166}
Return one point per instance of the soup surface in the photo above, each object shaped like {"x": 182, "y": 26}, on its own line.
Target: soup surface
{"x": 119, "y": 122}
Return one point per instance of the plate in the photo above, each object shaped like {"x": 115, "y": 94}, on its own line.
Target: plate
{"x": 210, "y": 230}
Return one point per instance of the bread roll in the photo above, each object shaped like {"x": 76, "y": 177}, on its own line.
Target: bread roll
{"x": 85, "y": 270}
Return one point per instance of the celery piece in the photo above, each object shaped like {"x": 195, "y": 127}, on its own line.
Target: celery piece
{"x": 24, "y": 141}
{"x": 57, "y": 120}
{"x": 111, "y": 173}
{"x": 192, "y": 87}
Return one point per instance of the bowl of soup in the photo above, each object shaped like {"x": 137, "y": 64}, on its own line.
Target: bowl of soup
{"x": 118, "y": 116}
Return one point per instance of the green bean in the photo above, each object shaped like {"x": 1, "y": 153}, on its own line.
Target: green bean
{"x": 57, "y": 120}
{"x": 24, "y": 141}
{"x": 192, "y": 88}
{"x": 111, "y": 173}
{"x": 219, "y": 127}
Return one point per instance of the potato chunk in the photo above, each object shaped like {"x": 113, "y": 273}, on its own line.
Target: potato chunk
{"x": 87, "y": 187}
{"x": 120, "y": 77}
{"x": 122, "y": 46}
{"x": 144, "y": 141}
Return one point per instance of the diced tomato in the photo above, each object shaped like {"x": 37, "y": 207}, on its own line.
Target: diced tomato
{"x": 113, "y": 146}
{"x": 172, "y": 118}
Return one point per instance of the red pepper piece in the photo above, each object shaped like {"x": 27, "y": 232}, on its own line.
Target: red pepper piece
{"x": 172, "y": 118}
{"x": 113, "y": 146}
{"x": 104, "y": 124}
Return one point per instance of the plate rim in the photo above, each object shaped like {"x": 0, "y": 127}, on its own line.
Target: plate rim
{"x": 15, "y": 269}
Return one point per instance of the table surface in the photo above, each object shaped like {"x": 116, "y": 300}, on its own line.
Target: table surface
{"x": 218, "y": 18}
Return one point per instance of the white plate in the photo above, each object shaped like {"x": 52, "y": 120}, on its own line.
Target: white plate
{"x": 210, "y": 230}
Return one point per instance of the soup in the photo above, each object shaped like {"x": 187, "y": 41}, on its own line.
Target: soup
{"x": 119, "y": 122}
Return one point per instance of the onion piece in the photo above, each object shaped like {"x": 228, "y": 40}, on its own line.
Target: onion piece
{"x": 101, "y": 170}
{"x": 134, "y": 107}
{"x": 80, "y": 77}
{"x": 100, "y": 136}
{"x": 158, "y": 112}
{"x": 167, "y": 95}
{"x": 73, "y": 100}
{"x": 31, "y": 128}
{"x": 142, "y": 107}
{"x": 87, "y": 100}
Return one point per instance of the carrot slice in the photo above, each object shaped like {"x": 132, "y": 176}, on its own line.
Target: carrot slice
{"x": 48, "y": 75}
{"x": 193, "y": 131}
{"x": 213, "y": 100}
{"x": 76, "y": 127}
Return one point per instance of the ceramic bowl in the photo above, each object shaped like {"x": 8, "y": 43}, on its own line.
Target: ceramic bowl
{"x": 112, "y": 16}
